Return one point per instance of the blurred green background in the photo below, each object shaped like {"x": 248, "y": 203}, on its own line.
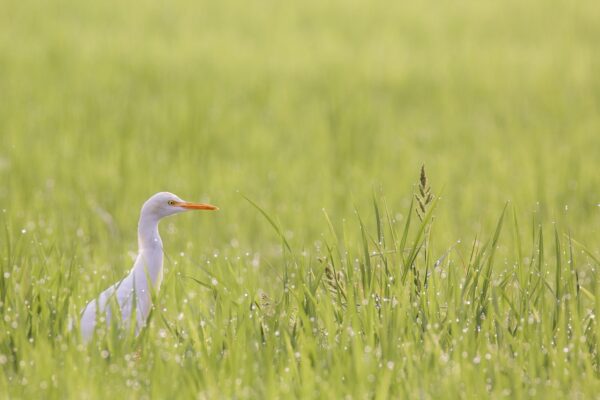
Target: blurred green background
{"x": 300, "y": 106}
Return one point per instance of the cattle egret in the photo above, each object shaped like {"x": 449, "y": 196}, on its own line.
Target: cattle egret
{"x": 133, "y": 294}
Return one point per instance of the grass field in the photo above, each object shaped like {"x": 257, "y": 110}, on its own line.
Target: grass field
{"x": 321, "y": 114}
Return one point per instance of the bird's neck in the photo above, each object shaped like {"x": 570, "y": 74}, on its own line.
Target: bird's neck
{"x": 148, "y": 236}
{"x": 150, "y": 250}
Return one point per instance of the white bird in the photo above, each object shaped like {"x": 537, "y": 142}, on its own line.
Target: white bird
{"x": 145, "y": 276}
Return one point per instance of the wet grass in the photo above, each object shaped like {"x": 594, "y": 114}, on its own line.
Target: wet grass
{"x": 377, "y": 318}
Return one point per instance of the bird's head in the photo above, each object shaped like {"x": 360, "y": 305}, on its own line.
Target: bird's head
{"x": 164, "y": 204}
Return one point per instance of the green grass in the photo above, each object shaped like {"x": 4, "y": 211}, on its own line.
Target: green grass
{"x": 320, "y": 114}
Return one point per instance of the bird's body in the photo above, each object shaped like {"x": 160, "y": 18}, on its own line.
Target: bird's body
{"x": 131, "y": 298}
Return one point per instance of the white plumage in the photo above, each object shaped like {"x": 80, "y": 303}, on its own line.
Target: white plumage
{"x": 146, "y": 274}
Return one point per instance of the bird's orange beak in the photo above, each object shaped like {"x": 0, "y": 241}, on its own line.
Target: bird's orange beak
{"x": 196, "y": 206}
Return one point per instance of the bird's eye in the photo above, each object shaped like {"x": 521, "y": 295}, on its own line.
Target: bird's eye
{"x": 171, "y": 202}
